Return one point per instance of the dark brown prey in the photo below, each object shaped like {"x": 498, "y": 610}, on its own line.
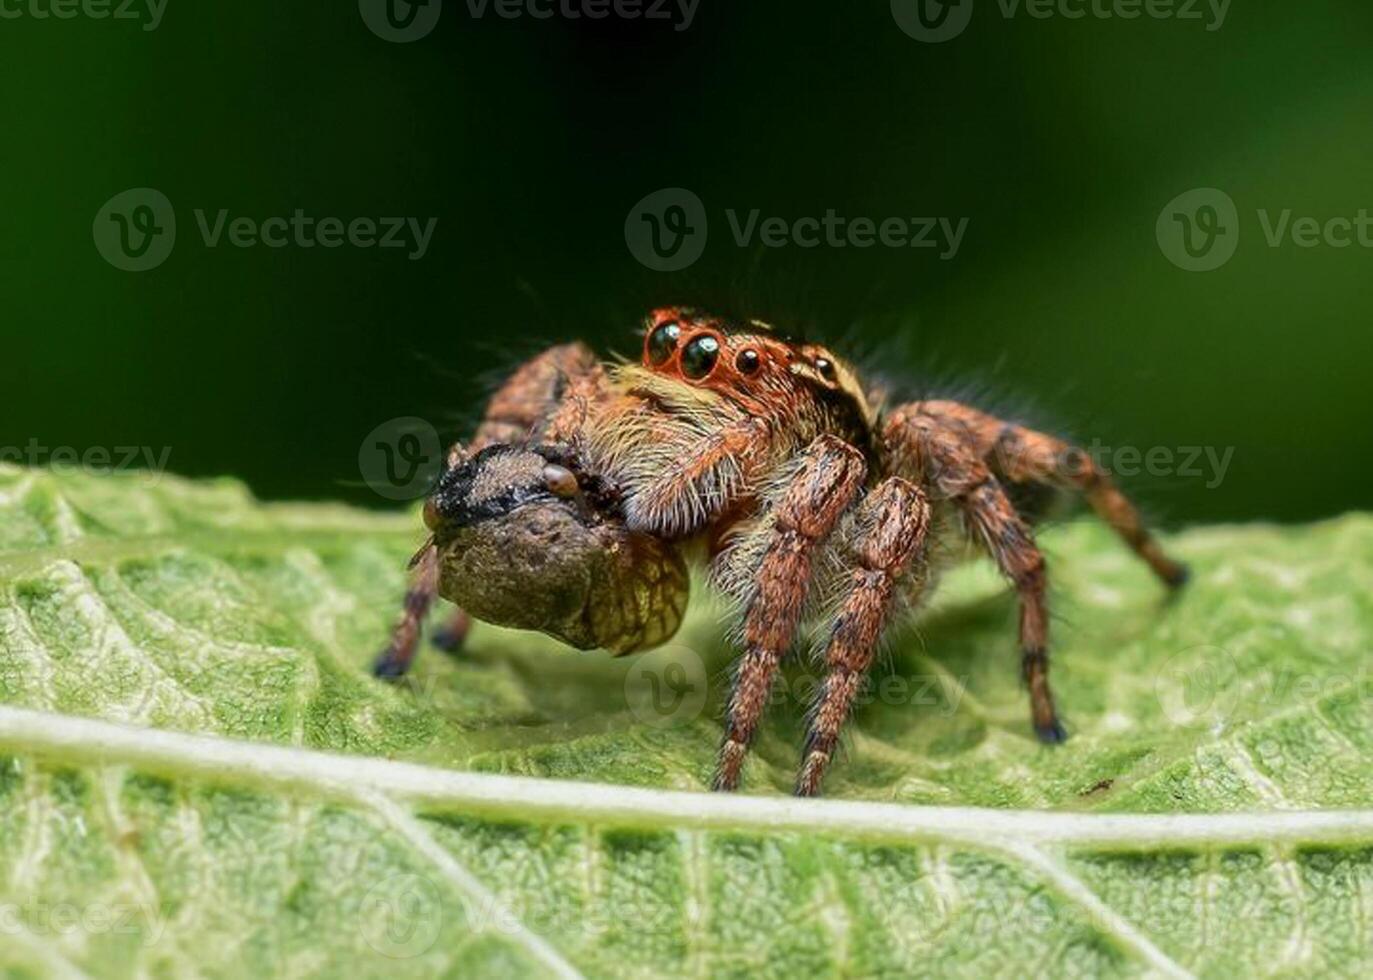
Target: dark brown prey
{"x": 808, "y": 498}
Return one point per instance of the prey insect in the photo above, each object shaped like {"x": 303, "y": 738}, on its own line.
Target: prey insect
{"x": 810, "y": 501}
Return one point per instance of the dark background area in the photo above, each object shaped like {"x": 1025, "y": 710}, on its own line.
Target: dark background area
{"x": 530, "y": 140}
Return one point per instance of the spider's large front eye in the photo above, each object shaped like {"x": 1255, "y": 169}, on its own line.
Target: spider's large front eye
{"x": 663, "y": 341}
{"x": 699, "y": 356}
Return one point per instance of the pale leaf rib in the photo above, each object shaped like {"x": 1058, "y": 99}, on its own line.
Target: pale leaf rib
{"x": 71, "y": 739}
{"x": 1106, "y": 919}
{"x": 490, "y": 907}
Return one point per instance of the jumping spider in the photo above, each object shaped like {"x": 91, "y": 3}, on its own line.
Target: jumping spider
{"x": 808, "y": 499}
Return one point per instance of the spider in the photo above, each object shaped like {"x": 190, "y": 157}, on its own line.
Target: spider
{"x": 812, "y": 503}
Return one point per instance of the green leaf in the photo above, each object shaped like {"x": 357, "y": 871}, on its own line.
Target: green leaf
{"x": 199, "y": 776}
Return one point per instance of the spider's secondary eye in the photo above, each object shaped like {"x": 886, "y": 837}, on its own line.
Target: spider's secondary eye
{"x": 699, "y": 356}
{"x": 559, "y": 480}
{"x": 663, "y": 341}
{"x": 747, "y": 361}
{"x": 826, "y": 368}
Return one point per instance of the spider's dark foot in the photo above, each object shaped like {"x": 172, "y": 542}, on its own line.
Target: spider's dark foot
{"x": 390, "y": 665}
{"x": 1178, "y": 576}
{"x": 729, "y": 766}
{"x": 1051, "y": 732}
{"x": 450, "y": 637}
{"x": 812, "y": 772}
{"x": 724, "y": 783}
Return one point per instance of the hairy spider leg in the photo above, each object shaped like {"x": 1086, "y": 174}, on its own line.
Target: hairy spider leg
{"x": 827, "y": 481}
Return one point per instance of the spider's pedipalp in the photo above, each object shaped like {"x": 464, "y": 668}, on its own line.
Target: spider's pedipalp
{"x": 890, "y": 534}
{"x": 827, "y": 481}
{"x": 696, "y": 485}
{"x": 515, "y": 410}
{"x": 524, "y": 402}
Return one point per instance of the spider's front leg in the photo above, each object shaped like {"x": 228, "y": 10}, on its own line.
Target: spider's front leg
{"x": 829, "y": 478}
{"x": 953, "y": 468}
{"x": 889, "y": 538}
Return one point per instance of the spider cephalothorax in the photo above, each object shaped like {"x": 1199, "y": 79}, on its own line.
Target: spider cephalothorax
{"x": 809, "y": 500}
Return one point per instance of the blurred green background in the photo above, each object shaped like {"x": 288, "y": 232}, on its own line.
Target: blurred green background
{"x": 1060, "y": 140}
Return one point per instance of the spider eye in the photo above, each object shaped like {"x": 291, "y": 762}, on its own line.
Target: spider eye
{"x": 748, "y": 361}
{"x": 560, "y": 481}
{"x": 826, "y": 368}
{"x": 663, "y": 341}
{"x": 699, "y": 357}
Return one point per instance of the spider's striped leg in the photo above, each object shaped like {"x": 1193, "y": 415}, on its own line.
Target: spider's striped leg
{"x": 954, "y": 470}
{"x": 530, "y": 397}
{"x": 828, "y": 480}
{"x": 394, "y": 661}
{"x": 1023, "y": 455}
{"x": 1031, "y": 456}
{"x": 889, "y": 537}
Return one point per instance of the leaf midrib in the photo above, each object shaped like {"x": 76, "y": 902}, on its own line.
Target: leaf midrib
{"x": 69, "y": 739}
